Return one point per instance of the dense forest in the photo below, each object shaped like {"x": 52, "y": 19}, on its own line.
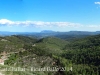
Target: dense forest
{"x": 75, "y": 56}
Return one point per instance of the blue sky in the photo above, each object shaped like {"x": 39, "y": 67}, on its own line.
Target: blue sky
{"x": 57, "y": 15}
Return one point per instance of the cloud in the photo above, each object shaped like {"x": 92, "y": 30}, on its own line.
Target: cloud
{"x": 97, "y": 3}
{"x": 43, "y": 25}
{"x": 93, "y": 26}
{"x": 5, "y": 22}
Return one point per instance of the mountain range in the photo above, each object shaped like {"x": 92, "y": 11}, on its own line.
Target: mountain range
{"x": 75, "y": 54}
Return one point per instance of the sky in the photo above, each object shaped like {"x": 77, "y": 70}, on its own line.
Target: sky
{"x": 56, "y": 15}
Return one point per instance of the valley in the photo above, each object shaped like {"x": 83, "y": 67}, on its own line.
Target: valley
{"x": 77, "y": 56}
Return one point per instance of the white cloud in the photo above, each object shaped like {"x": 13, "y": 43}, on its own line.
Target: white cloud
{"x": 5, "y": 21}
{"x": 97, "y": 3}
{"x": 93, "y": 26}
{"x": 38, "y": 23}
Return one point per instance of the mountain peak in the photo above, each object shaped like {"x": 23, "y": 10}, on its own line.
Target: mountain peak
{"x": 47, "y": 31}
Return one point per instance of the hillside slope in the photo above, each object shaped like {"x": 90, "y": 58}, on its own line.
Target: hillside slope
{"x": 76, "y": 57}
{"x": 27, "y": 52}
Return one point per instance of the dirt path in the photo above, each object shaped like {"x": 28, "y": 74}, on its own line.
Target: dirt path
{"x": 1, "y": 73}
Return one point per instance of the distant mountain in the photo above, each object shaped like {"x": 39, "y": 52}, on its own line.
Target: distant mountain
{"x": 47, "y": 31}
{"x": 7, "y": 33}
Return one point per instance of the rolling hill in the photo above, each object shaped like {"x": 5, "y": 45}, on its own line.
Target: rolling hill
{"x": 80, "y": 56}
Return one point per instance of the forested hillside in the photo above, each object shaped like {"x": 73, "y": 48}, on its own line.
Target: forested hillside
{"x": 75, "y": 57}
{"x": 86, "y": 53}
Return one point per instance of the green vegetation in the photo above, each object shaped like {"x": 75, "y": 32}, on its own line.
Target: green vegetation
{"x": 75, "y": 57}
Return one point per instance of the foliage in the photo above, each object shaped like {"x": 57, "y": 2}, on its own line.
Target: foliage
{"x": 79, "y": 56}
